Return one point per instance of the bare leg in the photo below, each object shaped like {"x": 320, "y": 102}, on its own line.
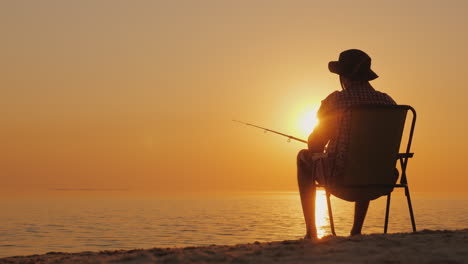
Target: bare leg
{"x": 360, "y": 211}
{"x": 305, "y": 181}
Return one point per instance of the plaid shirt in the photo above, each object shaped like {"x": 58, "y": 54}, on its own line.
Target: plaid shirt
{"x": 332, "y": 133}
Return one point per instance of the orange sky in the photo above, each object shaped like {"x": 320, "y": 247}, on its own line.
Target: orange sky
{"x": 139, "y": 95}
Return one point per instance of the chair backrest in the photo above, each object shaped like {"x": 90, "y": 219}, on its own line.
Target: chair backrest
{"x": 374, "y": 141}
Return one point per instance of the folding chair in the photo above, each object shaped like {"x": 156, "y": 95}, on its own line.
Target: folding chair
{"x": 373, "y": 152}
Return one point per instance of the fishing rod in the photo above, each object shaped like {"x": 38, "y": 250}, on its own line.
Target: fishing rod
{"x": 272, "y": 131}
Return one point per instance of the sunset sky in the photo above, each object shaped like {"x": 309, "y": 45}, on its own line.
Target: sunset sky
{"x": 139, "y": 95}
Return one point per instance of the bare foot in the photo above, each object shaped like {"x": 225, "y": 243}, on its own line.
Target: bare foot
{"x": 311, "y": 236}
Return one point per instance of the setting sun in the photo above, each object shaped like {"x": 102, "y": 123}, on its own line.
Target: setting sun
{"x": 307, "y": 120}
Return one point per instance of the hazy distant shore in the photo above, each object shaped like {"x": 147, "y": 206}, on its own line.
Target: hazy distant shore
{"x": 422, "y": 247}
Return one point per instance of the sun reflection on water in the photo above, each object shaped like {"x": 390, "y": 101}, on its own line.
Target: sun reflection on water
{"x": 321, "y": 214}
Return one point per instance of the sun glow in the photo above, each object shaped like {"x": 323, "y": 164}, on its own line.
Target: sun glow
{"x": 307, "y": 120}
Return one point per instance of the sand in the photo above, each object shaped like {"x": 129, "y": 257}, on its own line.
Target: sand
{"x": 422, "y": 247}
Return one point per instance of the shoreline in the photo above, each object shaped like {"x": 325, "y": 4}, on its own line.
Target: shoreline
{"x": 426, "y": 246}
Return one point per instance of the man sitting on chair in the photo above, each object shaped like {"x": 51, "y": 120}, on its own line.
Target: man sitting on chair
{"x": 354, "y": 70}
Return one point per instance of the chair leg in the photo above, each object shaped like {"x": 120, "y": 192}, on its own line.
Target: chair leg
{"x": 330, "y": 214}
{"x": 387, "y": 213}
{"x": 410, "y": 207}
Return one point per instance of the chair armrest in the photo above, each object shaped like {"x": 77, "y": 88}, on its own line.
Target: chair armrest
{"x": 405, "y": 155}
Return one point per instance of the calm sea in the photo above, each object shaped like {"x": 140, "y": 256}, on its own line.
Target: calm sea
{"x": 34, "y": 226}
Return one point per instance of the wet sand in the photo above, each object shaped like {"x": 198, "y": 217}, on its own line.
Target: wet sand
{"x": 422, "y": 247}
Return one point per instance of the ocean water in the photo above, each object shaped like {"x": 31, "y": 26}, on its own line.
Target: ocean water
{"x": 37, "y": 226}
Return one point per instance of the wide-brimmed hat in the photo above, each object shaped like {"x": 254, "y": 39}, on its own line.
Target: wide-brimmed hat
{"x": 353, "y": 64}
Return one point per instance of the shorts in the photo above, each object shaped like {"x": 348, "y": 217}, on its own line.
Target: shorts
{"x": 317, "y": 165}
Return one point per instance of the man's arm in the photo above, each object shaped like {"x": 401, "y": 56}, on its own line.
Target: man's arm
{"x": 322, "y": 133}
{"x": 319, "y": 138}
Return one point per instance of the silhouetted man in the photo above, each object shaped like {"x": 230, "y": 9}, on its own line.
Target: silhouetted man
{"x": 354, "y": 70}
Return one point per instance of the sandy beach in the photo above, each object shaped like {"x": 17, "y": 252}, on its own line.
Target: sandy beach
{"x": 422, "y": 247}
